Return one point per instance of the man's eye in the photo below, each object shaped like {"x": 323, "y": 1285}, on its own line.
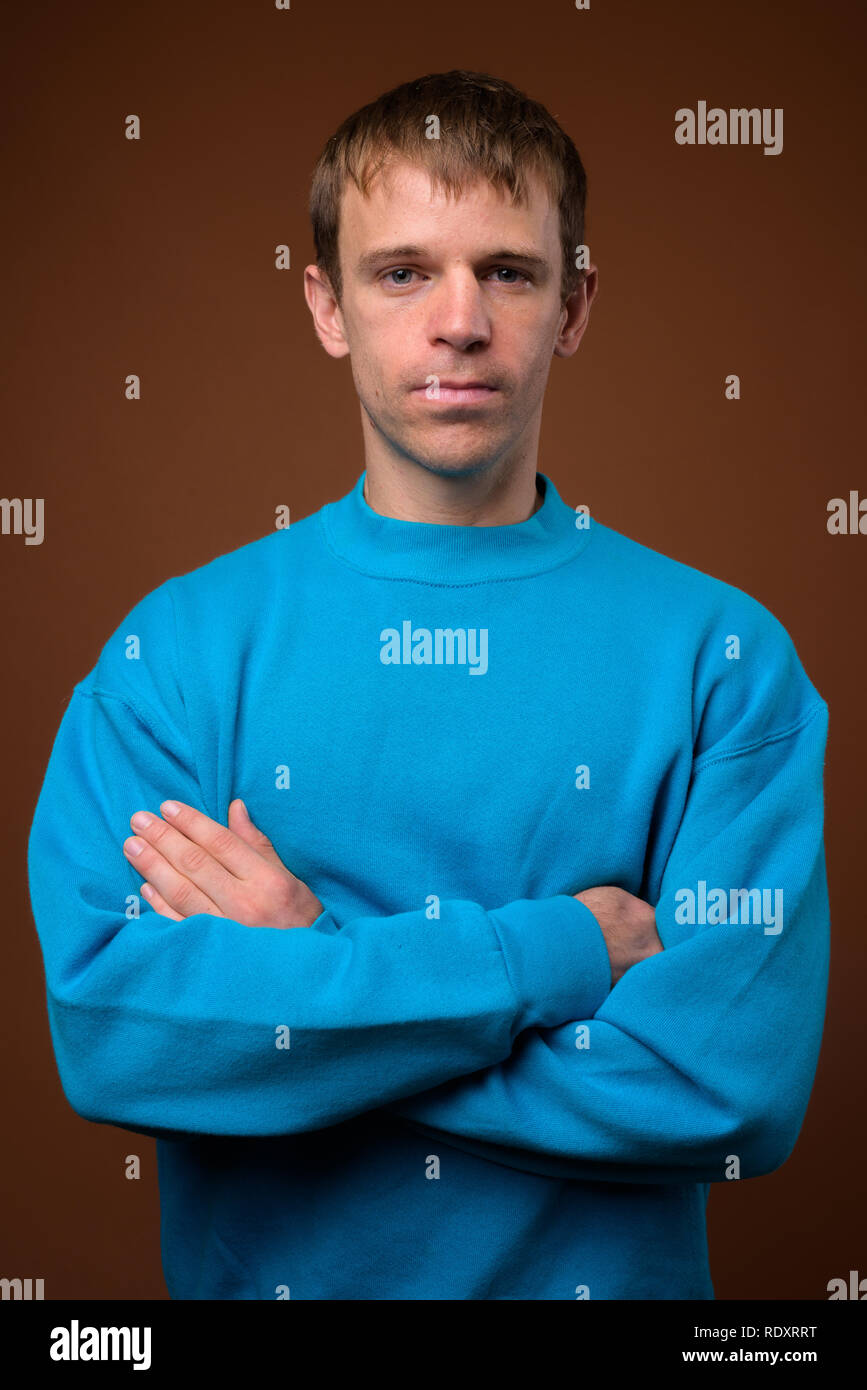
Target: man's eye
{"x": 510, "y": 270}
{"x": 401, "y": 270}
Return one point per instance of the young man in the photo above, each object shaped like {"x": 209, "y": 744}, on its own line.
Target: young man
{"x": 545, "y": 805}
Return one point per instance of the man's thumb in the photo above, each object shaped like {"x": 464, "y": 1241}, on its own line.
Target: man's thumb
{"x": 241, "y": 823}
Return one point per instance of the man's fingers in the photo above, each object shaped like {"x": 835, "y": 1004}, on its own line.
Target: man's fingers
{"x": 196, "y": 846}
{"x": 175, "y": 887}
{"x": 223, "y": 845}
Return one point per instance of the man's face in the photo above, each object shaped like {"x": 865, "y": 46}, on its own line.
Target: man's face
{"x": 454, "y": 310}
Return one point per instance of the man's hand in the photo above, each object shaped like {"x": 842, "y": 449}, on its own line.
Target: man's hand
{"x": 628, "y": 925}
{"x": 194, "y": 864}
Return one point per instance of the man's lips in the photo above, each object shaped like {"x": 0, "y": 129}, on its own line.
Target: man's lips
{"x": 467, "y": 392}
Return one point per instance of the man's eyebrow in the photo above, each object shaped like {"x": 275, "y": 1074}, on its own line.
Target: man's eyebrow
{"x": 382, "y": 254}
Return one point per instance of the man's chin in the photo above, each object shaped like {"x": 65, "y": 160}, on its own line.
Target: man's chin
{"x": 463, "y": 466}
{"x": 452, "y": 454}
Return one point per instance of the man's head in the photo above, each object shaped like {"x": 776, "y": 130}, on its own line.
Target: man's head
{"x": 450, "y": 260}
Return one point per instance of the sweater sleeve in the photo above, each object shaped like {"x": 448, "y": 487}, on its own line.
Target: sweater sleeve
{"x": 705, "y": 1052}
{"x": 207, "y": 1026}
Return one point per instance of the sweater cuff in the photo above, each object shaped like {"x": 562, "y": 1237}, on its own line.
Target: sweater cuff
{"x": 556, "y": 957}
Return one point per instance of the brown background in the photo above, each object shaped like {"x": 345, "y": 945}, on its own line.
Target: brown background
{"x": 157, "y": 257}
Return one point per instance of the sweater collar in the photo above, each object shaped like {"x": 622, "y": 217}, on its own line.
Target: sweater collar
{"x": 434, "y": 553}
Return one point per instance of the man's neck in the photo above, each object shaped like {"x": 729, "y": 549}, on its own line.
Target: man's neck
{"x": 410, "y": 493}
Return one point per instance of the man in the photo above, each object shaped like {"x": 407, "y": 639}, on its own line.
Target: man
{"x": 545, "y": 805}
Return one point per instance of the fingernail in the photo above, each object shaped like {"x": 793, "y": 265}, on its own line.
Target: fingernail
{"x": 133, "y": 846}
{"x": 170, "y": 808}
{"x": 140, "y": 821}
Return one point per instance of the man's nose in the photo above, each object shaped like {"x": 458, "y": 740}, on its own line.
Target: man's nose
{"x": 457, "y": 311}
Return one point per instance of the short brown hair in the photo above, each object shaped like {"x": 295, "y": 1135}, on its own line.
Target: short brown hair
{"x": 487, "y": 128}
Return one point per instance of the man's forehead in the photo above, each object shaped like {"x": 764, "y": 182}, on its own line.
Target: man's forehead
{"x": 404, "y": 189}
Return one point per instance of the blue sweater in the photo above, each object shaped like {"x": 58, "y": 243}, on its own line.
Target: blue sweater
{"x": 446, "y": 732}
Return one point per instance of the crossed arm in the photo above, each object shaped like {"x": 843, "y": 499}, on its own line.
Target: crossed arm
{"x": 194, "y": 864}
{"x": 679, "y": 1071}
{"x": 702, "y": 1051}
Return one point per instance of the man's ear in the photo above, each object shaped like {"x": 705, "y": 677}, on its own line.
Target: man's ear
{"x": 575, "y": 314}
{"x": 327, "y": 314}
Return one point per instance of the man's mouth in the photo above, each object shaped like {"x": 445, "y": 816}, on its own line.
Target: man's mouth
{"x": 455, "y": 392}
